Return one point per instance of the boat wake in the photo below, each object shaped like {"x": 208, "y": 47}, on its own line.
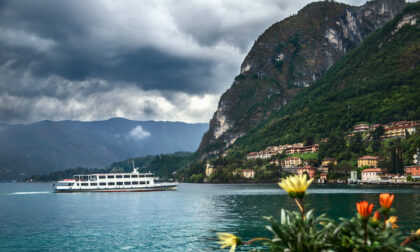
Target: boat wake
{"x": 24, "y": 193}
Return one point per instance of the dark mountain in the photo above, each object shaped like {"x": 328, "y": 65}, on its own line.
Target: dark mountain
{"x": 378, "y": 82}
{"x": 47, "y": 146}
{"x": 286, "y": 58}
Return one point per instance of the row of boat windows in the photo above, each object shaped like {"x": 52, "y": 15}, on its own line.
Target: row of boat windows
{"x": 126, "y": 176}
{"x": 94, "y": 177}
{"x": 113, "y": 183}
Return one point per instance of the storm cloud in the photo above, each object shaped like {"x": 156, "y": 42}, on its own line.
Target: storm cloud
{"x": 142, "y": 60}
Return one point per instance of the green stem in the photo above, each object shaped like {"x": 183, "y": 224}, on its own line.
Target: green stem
{"x": 386, "y": 217}
{"x": 365, "y": 226}
{"x": 256, "y": 239}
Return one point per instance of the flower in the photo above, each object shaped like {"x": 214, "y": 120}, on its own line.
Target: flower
{"x": 229, "y": 240}
{"x": 364, "y": 209}
{"x": 295, "y": 185}
{"x": 386, "y": 199}
{"x": 417, "y": 233}
{"x": 391, "y": 222}
{"x": 376, "y": 217}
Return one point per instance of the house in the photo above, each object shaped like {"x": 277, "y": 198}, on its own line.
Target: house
{"x": 371, "y": 161}
{"x": 400, "y": 179}
{"x": 246, "y": 173}
{"x": 413, "y": 171}
{"x": 292, "y": 162}
{"x": 323, "y": 169}
{"x": 209, "y": 169}
{"x": 310, "y": 170}
{"x": 302, "y": 149}
{"x": 293, "y": 170}
{"x": 372, "y": 174}
{"x": 361, "y": 127}
{"x": 329, "y": 161}
{"x": 353, "y": 176}
{"x": 400, "y": 129}
{"x": 259, "y": 155}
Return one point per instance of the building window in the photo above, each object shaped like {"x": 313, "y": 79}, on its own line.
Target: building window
{"x": 118, "y": 176}
{"x": 119, "y": 183}
{"x": 134, "y": 176}
{"x": 102, "y": 184}
{"x": 110, "y": 176}
{"x": 126, "y": 176}
{"x": 142, "y": 182}
{"x": 127, "y": 183}
{"x": 135, "y": 182}
{"x": 93, "y": 184}
{"x": 147, "y": 182}
{"x": 101, "y": 177}
{"x": 111, "y": 183}
{"x": 85, "y": 184}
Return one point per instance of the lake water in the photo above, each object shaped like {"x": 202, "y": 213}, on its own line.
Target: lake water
{"x": 32, "y": 218}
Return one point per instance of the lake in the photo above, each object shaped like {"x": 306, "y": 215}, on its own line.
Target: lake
{"x": 35, "y": 219}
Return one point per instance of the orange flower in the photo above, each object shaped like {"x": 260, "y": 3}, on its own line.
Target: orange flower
{"x": 364, "y": 209}
{"x": 386, "y": 200}
{"x": 391, "y": 222}
{"x": 376, "y": 217}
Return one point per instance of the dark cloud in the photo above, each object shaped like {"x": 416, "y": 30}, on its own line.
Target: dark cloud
{"x": 161, "y": 60}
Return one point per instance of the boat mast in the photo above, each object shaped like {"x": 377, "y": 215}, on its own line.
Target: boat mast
{"x": 135, "y": 170}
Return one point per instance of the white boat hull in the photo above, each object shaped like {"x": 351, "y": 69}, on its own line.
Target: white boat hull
{"x": 166, "y": 187}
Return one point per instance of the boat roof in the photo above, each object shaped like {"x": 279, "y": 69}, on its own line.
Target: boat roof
{"x": 119, "y": 173}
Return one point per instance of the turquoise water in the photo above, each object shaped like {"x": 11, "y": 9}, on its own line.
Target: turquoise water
{"x": 34, "y": 219}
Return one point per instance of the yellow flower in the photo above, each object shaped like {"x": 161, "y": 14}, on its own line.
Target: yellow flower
{"x": 229, "y": 240}
{"x": 417, "y": 233}
{"x": 391, "y": 222}
{"x": 295, "y": 185}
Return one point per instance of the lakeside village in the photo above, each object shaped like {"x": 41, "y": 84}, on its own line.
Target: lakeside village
{"x": 298, "y": 158}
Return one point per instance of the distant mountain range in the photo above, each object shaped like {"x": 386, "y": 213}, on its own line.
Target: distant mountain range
{"x": 47, "y": 146}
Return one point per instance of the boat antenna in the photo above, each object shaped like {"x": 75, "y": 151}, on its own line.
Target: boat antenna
{"x": 135, "y": 170}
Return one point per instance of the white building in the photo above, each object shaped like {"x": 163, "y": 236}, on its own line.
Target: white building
{"x": 372, "y": 174}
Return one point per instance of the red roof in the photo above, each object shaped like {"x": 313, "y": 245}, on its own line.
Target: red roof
{"x": 373, "y": 170}
{"x": 367, "y": 157}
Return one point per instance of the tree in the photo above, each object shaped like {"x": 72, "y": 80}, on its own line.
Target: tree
{"x": 376, "y": 138}
{"x": 396, "y": 157}
{"x": 356, "y": 144}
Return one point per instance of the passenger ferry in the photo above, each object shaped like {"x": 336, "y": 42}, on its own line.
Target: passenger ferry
{"x": 114, "y": 182}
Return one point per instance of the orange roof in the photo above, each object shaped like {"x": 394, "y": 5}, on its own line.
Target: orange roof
{"x": 367, "y": 157}
{"x": 373, "y": 170}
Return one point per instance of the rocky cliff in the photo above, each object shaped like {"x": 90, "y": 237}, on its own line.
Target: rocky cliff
{"x": 287, "y": 57}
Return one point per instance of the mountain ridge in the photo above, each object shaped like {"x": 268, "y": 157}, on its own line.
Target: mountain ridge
{"x": 377, "y": 82}
{"x": 287, "y": 57}
{"x": 47, "y": 146}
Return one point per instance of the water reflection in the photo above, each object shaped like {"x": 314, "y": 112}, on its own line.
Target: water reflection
{"x": 185, "y": 220}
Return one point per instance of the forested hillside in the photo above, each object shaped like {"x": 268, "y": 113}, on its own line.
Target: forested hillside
{"x": 378, "y": 82}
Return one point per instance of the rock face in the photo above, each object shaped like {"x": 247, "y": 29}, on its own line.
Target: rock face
{"x": 287, "y": 57}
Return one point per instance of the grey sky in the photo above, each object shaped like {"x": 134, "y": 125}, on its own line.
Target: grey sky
{"x": 143, "y": 60}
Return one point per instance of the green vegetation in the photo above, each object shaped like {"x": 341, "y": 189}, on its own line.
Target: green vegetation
{"x": 306, "y": 156}
{"x": 303, "y": 231}
{"x": 378, "y": 82}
